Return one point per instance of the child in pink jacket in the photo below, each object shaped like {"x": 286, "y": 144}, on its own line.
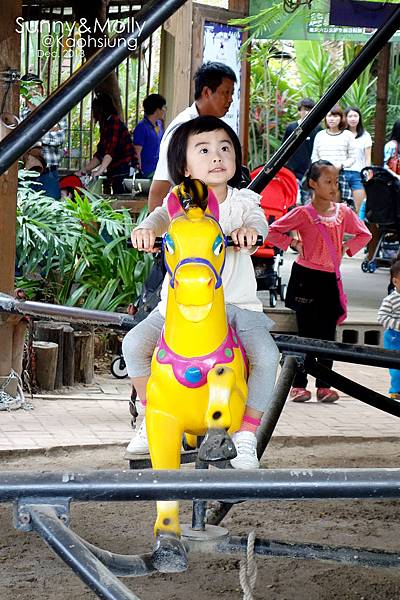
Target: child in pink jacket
{"x": 313, "y": 291}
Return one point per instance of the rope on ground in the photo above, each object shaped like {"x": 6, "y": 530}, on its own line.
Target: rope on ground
{"x": 8, "y": 402}
{"x": 248, "y": 569}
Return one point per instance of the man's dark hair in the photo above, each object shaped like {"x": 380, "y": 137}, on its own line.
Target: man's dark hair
{"x": 152, "y": 102}
{"x": 305, "y": 103}
{"x": 210, "y": 75}
{"x": 32, "y": 77}
{"x": 177, "y": 147}
{"x": 395, "y": 135}
{"x": 395, "y": 270}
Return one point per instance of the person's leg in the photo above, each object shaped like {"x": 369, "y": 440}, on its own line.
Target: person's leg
{"x": 391, "y": 341}
{"x": 137, "y": 348}
{"x": 263, "y": 357}
{"x": 304, "y": 318}
{"x": 359, "y": 197}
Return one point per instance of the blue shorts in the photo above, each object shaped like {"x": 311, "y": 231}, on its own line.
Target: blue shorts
{"x": 353, "y": 178}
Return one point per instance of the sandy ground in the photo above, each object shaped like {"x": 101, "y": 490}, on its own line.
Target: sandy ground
{"x": 30, "y": 571}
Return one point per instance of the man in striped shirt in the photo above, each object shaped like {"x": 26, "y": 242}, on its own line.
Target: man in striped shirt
{"x": 389, "y": 317}
{"x": 52, "y": 142}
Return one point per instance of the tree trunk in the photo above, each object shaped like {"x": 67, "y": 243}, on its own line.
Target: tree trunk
{"x": 381, "y": 104}
{"x": 97, "y": 9}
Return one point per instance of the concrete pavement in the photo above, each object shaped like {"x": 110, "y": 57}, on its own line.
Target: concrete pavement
{"x": 97, "y": 414}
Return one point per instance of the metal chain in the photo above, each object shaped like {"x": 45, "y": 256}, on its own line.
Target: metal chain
{"x": 8, "y": 402}
{"x": 248, "y": 569}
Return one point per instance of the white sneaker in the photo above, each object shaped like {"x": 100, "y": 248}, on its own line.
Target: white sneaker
{"x": 246, "y": 448}
{"x": 139, "y": 444}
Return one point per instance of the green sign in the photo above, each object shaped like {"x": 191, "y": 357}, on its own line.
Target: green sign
{"x": 306, "y": 23}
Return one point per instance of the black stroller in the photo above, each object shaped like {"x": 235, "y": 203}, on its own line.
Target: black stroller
{"x": 383, "y": 210}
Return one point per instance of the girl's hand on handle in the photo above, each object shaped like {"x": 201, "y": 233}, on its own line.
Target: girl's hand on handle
{"x": 298, "y": 246}
{"x": 244, "y": 237}
{"x": 143, "y": 239}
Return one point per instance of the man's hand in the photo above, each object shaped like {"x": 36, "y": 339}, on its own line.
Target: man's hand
{"x": 244, "y": 237}
{"x": 143, "y": 239}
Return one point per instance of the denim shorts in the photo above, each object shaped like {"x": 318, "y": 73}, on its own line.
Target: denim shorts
{"x": 353, "y": 178}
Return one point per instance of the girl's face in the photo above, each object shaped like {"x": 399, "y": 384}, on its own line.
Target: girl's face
{"x": 352, "y": 118}
{"x": 333, "y": 121}
{"x": 210, "y": 156}
{"x": 326, "y": 186}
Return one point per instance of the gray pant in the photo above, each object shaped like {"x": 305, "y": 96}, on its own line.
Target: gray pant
{"x": 252, "y": 328}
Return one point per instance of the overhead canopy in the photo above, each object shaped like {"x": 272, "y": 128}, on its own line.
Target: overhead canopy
{"x": 339, "y": 20}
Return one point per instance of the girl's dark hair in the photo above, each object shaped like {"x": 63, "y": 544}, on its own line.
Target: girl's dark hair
{"x": 336, "y": 110}
{"x": 395, "y": 135}
{"x": 314, "y": 172}
{"x": 103, "y": 107}
{"x": 360, "y": 127}
{"x": 177, "y": 147}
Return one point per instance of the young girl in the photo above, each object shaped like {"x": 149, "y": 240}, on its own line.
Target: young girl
{"x": 313, "y": 291}
{"x": 336, "y": 144}
{"x": 363, "y": 143}
{"x": 206, "y": 148}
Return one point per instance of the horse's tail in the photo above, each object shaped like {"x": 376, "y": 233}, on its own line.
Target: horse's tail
{"x": 192, "y": 193}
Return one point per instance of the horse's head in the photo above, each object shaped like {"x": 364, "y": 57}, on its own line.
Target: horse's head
{"x": 194, "y": 248}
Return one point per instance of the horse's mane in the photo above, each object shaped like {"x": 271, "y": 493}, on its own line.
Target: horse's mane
{"x": 192, "y": 193}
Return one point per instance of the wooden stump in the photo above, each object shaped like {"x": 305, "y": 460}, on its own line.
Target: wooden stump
{"x": 84, "y": 356}
{"x": 61, "y": 333}
{"x": 46, "y": 363}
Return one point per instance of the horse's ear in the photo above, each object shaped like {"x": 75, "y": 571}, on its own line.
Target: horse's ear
{"x": 213, "y": 206}
{"x": 174, "y": 207}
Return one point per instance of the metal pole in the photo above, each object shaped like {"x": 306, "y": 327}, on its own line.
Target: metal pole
{"x": 331, "y": 96}
{"x": 229, "y": 485}
{"x": 76, "y": 555}
{"x": 270, "y": 418}
{"x": 147, "y": 20}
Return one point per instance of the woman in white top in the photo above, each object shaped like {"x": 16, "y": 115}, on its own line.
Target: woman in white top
{"x": 363, "y": 143}
{"x": 335, "y": 143}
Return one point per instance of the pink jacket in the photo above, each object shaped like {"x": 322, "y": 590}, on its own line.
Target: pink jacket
{"x": 316, "y": 254}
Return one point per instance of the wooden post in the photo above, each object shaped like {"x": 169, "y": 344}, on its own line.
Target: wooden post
{"x": 84, "y": 356}
{"x": 175, "y": 60}
{"x": 383, "y": 64}
{"x": 10, "y": 57}
{"x": 46, "y": 364}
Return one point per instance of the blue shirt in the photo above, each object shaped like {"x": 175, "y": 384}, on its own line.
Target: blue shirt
{"x": 148, "y": 136}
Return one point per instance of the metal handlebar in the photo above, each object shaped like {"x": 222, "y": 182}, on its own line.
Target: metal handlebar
{"x": 229, "y": 242}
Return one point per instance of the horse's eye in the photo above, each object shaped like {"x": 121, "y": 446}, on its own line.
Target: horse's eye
{"x": 169, "y": 244}
{"x": 218, "y": 245}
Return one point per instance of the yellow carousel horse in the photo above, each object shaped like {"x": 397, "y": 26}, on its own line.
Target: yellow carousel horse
{"x": 198, "y": 375}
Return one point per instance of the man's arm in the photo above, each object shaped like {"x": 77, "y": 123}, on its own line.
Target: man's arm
{"x": 138, "y": 155}
{"x": 158, "y": 190}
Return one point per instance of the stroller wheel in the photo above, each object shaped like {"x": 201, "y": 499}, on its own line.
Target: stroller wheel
{"x": 282, "y": 292}
{"x": 372, "y": 266}
{"x": 118, "y": 367}
{"x": 272, "y": 299}
{"x": 364, "y": 266}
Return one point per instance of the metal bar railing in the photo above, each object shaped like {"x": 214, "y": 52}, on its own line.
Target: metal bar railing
{"x": 152, "y": 15}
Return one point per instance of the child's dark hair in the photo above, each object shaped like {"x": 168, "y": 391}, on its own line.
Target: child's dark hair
{"x": 395, "y": 269}
{"x": 360, "y": 127}
{"x": 314, "y": 172}
{"x": 177, "y": 147}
